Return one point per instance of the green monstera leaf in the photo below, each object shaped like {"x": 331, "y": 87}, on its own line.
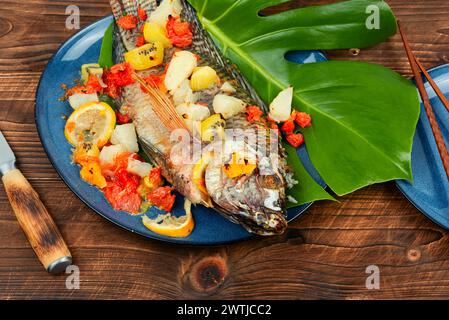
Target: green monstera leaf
{"x": 364, "y": 115}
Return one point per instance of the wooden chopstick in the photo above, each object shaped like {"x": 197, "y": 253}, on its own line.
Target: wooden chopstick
{"x": 434, "y": 86}
{"x": 442, "y": 149}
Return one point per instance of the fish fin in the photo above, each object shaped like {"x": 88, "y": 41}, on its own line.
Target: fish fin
{"x": 225, "y": 213}
{"x": 162, "y": 106}
{"x": 155, "y": 156}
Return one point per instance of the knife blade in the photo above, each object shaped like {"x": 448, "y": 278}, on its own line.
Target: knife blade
{"x": 7, "y": 157}
{"x": 34, "y": 219}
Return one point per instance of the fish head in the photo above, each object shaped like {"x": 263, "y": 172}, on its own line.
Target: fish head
{"x": 254, "y": 197}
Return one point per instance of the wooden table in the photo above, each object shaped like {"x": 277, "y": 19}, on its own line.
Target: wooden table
{"x": 324, "y": 254}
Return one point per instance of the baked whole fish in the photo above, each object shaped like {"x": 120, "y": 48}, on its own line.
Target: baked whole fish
{"x": 239, "y": 172}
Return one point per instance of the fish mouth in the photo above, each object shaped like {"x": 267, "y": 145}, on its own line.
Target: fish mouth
{"x": 257, "y": 222}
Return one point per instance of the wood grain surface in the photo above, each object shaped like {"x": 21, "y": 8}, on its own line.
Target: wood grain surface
{"x": 324, "y": 254}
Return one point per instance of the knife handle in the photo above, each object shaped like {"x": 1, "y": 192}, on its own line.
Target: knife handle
{"x": 36, "y": 222}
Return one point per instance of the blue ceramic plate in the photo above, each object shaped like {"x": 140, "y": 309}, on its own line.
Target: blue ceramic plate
{"x": 64, "y": 67}
{"x": 429, "y": 191}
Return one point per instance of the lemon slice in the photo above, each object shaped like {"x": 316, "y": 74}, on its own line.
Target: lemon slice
{"x": 93, "y": 123}
{"x": 171, "y": 226}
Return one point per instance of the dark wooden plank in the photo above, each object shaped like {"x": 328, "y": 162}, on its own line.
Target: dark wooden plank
{"x": 324, "y": 254}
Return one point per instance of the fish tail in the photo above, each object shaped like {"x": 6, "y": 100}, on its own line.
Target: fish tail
{"x": 126, "y": 39}
{"x": 204, "y": 45}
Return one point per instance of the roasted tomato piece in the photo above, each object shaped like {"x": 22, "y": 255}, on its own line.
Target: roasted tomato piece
{"x": 122, "y": 74}
{"x": 122, "y": 200}
{"x": 122, "y": 118}
{"x": 288, "y": 127}
{"x": 162, "y": 198}
{"x": 121, "y": 188}
{"x": 295, "y": 140}
{"x": 303, "y": 119}
{"x": 179, "y": 32}
{"x": 117, "y": 77}
{"x": 127, "y": 180}
{"x": 140, "y": 41}
{"x": 92, "y": 86}
{"x": 142, "y": 14}
{"x": 128, "y": 22}
{"x": 254, "y": 113}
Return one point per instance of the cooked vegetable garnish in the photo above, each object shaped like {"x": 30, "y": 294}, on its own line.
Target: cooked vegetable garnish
{"x": 162, "y": 198}
{"x": 281, "y": 107}
{"x": 289, "y": 126}
{"x": 125, "y": 135}
{"x": 76, "y": 100}
{"x": 128, "y": 22}
{"x": 238, "y": 166}
{"x": 146, "y": 56}
{"x": 203, "y": 78}
{"x": 118, "y": 76}
{"x": 142, "y": 14}
{"x": 153, "y": 32}
{"x": 85, "y": 153}
{"x": 164, "y": 10}
{"x": 228, "y": 88}
{"x": 303, "y": 119}
{"x": 228, "y": 106}
{"x": 254, "y": 113}
{"x": 91, "y": 173}
{"x": 180, "y": 69}
{"x": 154, "y": 180}
{"x": 88, "y": 69}
{"x": 295, "y": 140}
{"x": 179, "y": 32}
{"x": 193, "y": 114}
{"x": 213, "y": 128}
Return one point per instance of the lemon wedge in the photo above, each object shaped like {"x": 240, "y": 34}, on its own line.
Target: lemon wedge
{"x": 171, "y": 226}
{"x": 93, "y": 123}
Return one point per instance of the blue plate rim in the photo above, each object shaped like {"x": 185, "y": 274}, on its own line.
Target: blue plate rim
{"x": 402, "y": 187}
{"x": 80, "y": 197}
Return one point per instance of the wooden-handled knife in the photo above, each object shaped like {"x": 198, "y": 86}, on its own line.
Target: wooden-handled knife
{"x": 33, "y": 217}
